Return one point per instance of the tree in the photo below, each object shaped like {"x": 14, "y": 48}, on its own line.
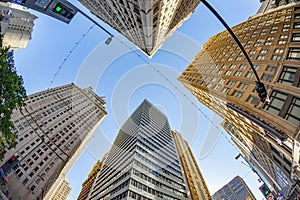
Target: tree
{"x": 12, "y": 96}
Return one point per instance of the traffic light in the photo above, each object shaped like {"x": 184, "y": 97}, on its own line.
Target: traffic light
{"x": 63, "y": 10}
{"x": 265, "y": 190}
{"x": 10, "y": 164}
{"x": 262, "y": 92}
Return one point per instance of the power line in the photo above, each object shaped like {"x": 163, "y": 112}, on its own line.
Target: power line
{"x": 69, "y": 54}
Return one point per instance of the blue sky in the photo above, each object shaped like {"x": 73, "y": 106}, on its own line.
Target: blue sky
{"x": 125, "y": 80}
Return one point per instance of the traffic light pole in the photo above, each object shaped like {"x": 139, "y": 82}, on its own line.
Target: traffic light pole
{"x": 84, "y": 14}
{"x": 233, "y": 36}
{"x": 260, "y": 87}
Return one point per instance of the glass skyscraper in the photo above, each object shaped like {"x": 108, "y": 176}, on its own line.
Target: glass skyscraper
{"x": 143, "y": 162}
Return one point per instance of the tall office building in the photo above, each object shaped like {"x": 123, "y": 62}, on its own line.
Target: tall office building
{"x": 88, "y": 183}
{"x": 196, "y": 183}
{"x": 16, "y": 25}
{"x": 62, "y": 191}
{"x": 221, "y": 78}
{"x": 52, "y": 131}
{"x": 235, "y": 189}
{"x": 143, "y": 162}
{"x": 145, "y": 23}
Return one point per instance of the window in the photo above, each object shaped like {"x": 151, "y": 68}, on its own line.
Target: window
{"x": 231, "y": 83}
{"x": 260, "y": 57}
{"x": 288, "y": 75}
{"x": 293, "y": 112}
{"x": 268, "y": 43}
{"x": 243, "y": 86}
{"x": 294, "y": 53}
{"x": 296, "y": 37}
{"x": 253, "y": 100}
{"x": 237, "y": 94}
{"x": 297, "y": 16}
{"x": 243, "y": 66}
{"x": 283, "y": 36}
{"x": 281, "y": 42}
{"x": 278, "y": 50}
{"x": 252, "y": 52}
{"x": 250, "y": 75}
{"x": 225, "y": 90}
{"x": 238, "y": 73}
{"x": 263, "y": 51}
{"x": 277, "y": 100}
{"x": 296, "y": 25}
{"x": 267, "y": 77}
{"x": 228, "y": 72}
{"x": 276, "y": 57}
{"x": 256, "y": 67}
{"x": 271, "y": 68}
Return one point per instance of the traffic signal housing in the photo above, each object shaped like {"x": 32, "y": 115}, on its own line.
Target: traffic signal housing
{"x": 62, "y": 10}
{"x": 265, "y": 190}
{"x": 262, "y": 91}
{"x": 10, "y": 164}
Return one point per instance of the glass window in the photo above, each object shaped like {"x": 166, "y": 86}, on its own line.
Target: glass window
{"x": 287, "y": 75}
{"x": 243, "y": 66}
{"x": 238, "y": 73}
{"x": 294, "y": 53}
{"x": 260, "y": 57}
{"x": 276, "y": 57}
{"x": 225, "y": 90}
{"x": 267, "y": 77}
{"x": 263, "y": 51}
{"x": 231, "y": 83}
{"x": 253, "y": 100}
{"x": 237, "y": 94}
{"x": 278, "y": 50}
{"x": 277, "y": 100}
{"x": 271, "y": 68}
{"x": 243, "y": 86}
{"x": 293, "y": 112}
{"x": 296, "y": 25}
{"x": 296, "y": 37}
{"x": 297, "y": 16}
{"x": 283, "y": 36}
{"x": 250, "y": 75}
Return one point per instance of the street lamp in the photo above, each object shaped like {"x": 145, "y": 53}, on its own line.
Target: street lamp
{"x": 260, "y": 87}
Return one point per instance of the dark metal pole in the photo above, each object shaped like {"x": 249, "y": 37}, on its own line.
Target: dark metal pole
{"x": 233, "y": 35}
{"x": 111, "y": 35}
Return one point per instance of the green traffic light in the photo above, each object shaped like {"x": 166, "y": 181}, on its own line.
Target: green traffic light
{"x": 58, "y": 9}
{"x": 266, "y": 192}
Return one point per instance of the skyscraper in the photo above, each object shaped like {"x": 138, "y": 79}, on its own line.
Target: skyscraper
{"x": 16, "y": 25}
{"x": 145, "y": 23}
{"x": 52, "y": 131}
{"x": 62, "y": 191}
{"x": 235, "y": 189}
{"x": 196, "y": 183}
{"x": 88, "y": 183}
{"x": 221, "y": 79}
{"x": 143, "y": 162}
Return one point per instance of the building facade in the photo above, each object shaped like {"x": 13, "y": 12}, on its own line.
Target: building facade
{"x": 52, "y": 131}
{"x": 62, "y": 191}
{"x": 88, "y": 183}
{"x": 221, "y": 78}
{"x": 196, "y": 183}
{"x": 145, "y": 23}
{"x": 143, "y": 162}
{"x": 235, "y": 189}
{"x": 16, "y": 25}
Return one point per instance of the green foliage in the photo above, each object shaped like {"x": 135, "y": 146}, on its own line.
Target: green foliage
{"x": 12, "y": 96}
